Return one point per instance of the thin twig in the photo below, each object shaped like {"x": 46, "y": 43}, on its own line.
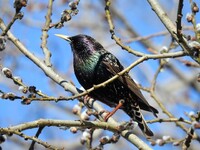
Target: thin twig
{"x": 169, "y": 120}
{"x": 113, "y": 36}
{"x": 178, "y": 20}
{"x": 44, "y": 37}
{"x": 188, "y": 139}
{"x": 9, "y": 25}
{"x": 37, "y": 135}
{"x": 153, "y": 95}
{"x": 130, "y": 30}
{"x": 26, "y": 137}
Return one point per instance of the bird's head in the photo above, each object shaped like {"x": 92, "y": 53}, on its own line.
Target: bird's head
{"x": 82, "y": 45}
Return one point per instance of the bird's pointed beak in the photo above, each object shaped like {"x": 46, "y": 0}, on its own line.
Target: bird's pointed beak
{"x": 67, "y": 38}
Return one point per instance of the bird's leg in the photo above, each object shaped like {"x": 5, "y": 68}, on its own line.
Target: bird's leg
{"x": 121, "y": 102}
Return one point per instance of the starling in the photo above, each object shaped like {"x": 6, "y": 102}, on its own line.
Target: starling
{"x": 94, "y": 65}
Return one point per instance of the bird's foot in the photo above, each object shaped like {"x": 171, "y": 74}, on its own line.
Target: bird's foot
{"x": 109, "y": 114}
{"x": 102, "y": 112}
{"x": 86, "y": 99}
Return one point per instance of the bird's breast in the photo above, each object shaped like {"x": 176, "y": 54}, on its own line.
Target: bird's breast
{"x": 84, "y": 70}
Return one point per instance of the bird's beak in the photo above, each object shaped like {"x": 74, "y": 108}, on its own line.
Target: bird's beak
{"x": 67, "y": 38}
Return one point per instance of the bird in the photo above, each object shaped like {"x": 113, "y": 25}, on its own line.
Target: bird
{"x": 93, "y": 64}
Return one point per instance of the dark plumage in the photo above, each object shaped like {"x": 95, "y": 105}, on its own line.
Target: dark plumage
{"x": 94, "y": 65}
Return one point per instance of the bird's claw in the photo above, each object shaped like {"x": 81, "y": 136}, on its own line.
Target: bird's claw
{"x": 107, "y": 113}
{"x": 86, "y": 99}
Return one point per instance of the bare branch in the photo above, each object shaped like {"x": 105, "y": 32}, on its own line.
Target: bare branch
{"x": 44, "y": 37}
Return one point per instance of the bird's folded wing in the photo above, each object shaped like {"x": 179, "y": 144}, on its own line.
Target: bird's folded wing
{"x": 128, "y": 81}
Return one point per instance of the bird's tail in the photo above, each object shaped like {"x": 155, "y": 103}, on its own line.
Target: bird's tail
{"x": 137, "y": 116}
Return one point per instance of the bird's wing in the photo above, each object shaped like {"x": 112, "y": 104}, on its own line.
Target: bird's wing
{"x": 116, "y": 67}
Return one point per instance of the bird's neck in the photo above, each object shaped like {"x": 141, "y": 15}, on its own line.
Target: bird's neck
{"x": 86, "y": 62}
